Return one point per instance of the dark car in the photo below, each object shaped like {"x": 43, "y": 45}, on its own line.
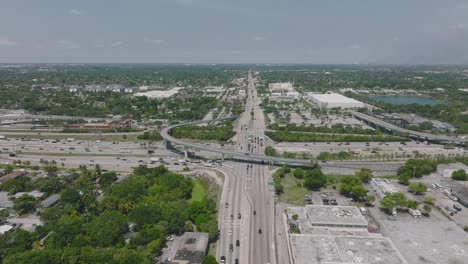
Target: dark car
{"x": 222, "y": 259}
{"x": 237, "y": 243}
{"x": 255, "y": 212}
{"x": 259, "y": 231}
{"x": 232, "y": 217}
{"x": 237, "y": 261}
{"x": 231, "y": 248}
{"x": 239, "y": 216}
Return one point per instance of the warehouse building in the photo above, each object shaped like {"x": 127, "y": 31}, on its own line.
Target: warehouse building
{"x": 192, "y": 249}
{"x": 333, "y": 100}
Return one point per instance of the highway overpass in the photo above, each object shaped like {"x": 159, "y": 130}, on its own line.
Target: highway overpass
{"x": 334, "y": 167}
{"x": 165, "y": 134}
{"x": 414, "y": 134}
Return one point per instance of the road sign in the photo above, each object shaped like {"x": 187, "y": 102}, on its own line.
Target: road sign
{"x": 271, "y": 184}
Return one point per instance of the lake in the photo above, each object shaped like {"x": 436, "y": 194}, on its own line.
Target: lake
{"x": 406, "y": 100}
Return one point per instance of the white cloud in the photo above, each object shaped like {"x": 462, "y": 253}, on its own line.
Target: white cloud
{"x": 257, "y": 38}
{"x": 155, "y": 41}
{"x": 5, "y": 41}
{"x": 117, "y": 44}
{"x": 76, "y": 12}
{"x": 67, "y": 44}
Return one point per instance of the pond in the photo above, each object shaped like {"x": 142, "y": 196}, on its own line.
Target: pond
{"x": 406, "y": 100}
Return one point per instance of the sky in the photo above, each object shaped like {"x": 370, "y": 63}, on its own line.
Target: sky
{"x": 234, "y": 31}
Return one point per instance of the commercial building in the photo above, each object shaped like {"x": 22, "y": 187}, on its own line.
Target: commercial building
{"x": 320, "y": 234}
{"x": 192, "y": 249}
{"x": 333, "y": 100}
{"x": 382, "y": 187}
{"x": 446, "y": 170}
{"x": 5, "y": 229}
{"x": 280, "y": 87}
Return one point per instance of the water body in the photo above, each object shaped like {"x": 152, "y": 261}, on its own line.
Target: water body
{"x": 406, "y": 100}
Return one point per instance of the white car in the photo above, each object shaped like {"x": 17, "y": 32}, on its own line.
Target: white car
{"x": 230, "y": 232}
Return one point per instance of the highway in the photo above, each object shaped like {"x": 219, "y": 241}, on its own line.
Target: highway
{"x": 247, "y": 205}
{"x": 421, "y": 135}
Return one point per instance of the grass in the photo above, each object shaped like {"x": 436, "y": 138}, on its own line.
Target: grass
{"x": 198, "y": 192}
{"x": 292, "y": 193}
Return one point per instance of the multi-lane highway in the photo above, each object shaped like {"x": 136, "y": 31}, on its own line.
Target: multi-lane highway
{"x": 247, "y": 205}
{"x": 421, "y": 135}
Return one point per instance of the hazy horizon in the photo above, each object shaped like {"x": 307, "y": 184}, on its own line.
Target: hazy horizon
{"x": 419, "y": 32}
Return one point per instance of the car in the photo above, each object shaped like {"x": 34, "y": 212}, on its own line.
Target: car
{"x": 246, "y": 153}
{"x": 237, "y": 261}
{"x": 232, "y": 217}
{"x": 239, "y": 216}
{"x": 255, "y": 212}
{"x": 237, "y": 243}
{"x": 226, "y": 205}
{"x": 231, "y": 247}
{"x": 260, "y": 231}
{"x": 230, "y": 232}
{"x": 222, "y": 259}
{"x": 457, "y": 207}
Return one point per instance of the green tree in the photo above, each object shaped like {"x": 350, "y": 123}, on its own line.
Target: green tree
{"x": 358, "y": 192}
{"x": 299, "y": 173}
{"x": 24, "y": 204}
{"x": 365, "y": 175}
{"x": 460, "y": 175}
{"x": 271, "y": 151}
{"x": 315, "y": 179}
{"x": 418, "y": 188}
{"x": 107, "y": 229}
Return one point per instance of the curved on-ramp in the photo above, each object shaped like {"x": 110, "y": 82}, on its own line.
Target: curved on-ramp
{"x": 165, "y": 134}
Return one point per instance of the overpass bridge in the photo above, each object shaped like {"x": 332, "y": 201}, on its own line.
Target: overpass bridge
{"x": 380, "y": 168}
{"x": 165, "y": 134}
{"x": 414, "y": 134}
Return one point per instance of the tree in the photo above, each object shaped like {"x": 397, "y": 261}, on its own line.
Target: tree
{"x": 24, "y": 204}
{"x": 65, "y": 230}
{"x": 107, "y": 229}
{"x": 299, "y": 173}
{"x": 71, "y": 196}
{"x": 315, "y": 179}
{"x": 418, "y": 188}
{"x": 358, "y": 192}
{"x": 460, "y": 175}
{"x": 271, "y": 151}
{"x": 107, "y": 178}
{"x": 404, "y": 179}
{"x": 365, "y": 175}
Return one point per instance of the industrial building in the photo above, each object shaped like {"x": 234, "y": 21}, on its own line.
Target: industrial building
{"x": 382, "y": 187}
{"x": 335, "y": 234}
{"x": 333, "y": 100}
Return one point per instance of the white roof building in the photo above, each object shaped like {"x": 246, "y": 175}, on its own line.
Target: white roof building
{"x": 334, "y": 100}
{"x": 5, "y": 228}
{"x": 36, "y": 194}
{"x": 281, "y": 87}
{"x": 383, "y": 186}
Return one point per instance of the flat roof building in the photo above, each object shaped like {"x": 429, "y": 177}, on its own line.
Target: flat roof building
{"x": 446, "y": 170}
{"x": 5, "y": 201}
{"x": 50, "y": 201}
{"x": 319, "y": 234}
{"x": 382, "y": 187}
{"x": 281, "y": 87}
{"x": 36, "y": 194}
{"x": 334, "y": 100}
{"x": 12, "y": 175}
{"x": 192, "y": 249}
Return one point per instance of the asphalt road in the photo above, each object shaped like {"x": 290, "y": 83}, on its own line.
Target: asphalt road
{"x": 246, "y": 191}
